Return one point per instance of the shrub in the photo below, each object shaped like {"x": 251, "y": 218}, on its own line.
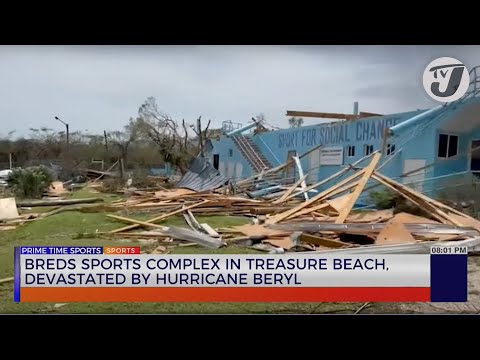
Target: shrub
{"x": 385, "y": 199}
{"x": 30, "y": 182}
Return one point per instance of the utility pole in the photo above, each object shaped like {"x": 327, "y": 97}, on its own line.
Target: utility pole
{"x": 105, "y": 137}
{"x": 68, "y": 132}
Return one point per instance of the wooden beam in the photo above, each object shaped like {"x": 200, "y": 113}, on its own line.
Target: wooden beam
{"x": 158, "y": 218}
{"x": 289, "y": 191}
{"x": 6, "y": 280}
{"x": 358, "y": 190}
{"x": 432, "y": 210}
{"x": 331, "y": 177}
{"x": 320, "y": 115}
{"x": 321, "y": 241}
{"x": 421, "y": 196}
{"x": 309, "y": 210}
{"x": 279, "y": 217}
{"x": 367, "y": 114}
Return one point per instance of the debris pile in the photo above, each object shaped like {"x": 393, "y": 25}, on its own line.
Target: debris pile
{"x": 284, "y": 217}
{"x": 288, "y": 222}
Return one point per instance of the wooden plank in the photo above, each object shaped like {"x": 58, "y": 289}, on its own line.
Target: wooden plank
{"x": 8, "y": 209}
{"x": 323, "y": 194}
{"x": 368, "y": 114}
{"x": 327, "y": 202}
{"x": 313, "y": 114}
{"x": 6, "y": 280}
{"x": 331, "y": 177}
{"x": 321, "y": 241}
{"x": 339, "y": 203}
{"x": 421, "y": 196}
{"x": 289, "y": 191}
{"x": 210, "y": 231}
{"x": 358, "y": 190}
{"x": 434, "y": 212}
{"x": 136, "y": 222}
{"x": 106, "y": 172}
{"x": 158, "y": 218}
{"x": 394, "y": 232}
{"x": 308, "y": 210}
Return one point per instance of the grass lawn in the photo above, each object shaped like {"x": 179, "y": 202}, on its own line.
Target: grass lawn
{"x": 70, "y": 228}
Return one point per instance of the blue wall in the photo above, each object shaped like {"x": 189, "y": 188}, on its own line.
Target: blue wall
{"x": 415, "y": 143}
{"x": 224, "y": 148}
{"x": 275, "y": 145}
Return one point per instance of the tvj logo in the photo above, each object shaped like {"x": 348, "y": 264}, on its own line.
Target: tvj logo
{"x": 446, "y": 79}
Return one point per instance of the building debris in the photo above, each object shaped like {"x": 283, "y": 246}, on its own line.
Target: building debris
{"x": 53, "y": 202}
{"x": 283, "y": 218}
{"x": 6, "y": 280}
{"x": 8, "y": 209}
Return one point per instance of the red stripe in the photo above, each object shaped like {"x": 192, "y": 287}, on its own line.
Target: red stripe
{"x": 215, "y": 294}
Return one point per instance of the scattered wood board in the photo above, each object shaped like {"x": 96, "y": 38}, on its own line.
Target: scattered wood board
{"x": 322, "y": 241}
{"x": 8, "y": 209}
{"x": 394, "y": 232}
{"x": 368, "y": 171}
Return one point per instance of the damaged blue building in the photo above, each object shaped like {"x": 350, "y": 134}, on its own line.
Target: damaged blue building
{"x": 426, "y": 149}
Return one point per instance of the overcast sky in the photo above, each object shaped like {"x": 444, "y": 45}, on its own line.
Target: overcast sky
{"x": 98, "y": 88}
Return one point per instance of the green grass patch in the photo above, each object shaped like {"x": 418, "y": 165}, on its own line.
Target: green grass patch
{"x": 78, "y": 228}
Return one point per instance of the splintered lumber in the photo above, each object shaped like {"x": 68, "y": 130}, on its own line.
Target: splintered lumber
{"x": 284, "y": 243}
{"x": 308, "y": 210}
{"x": 289, "y": 191}
{"x": 394, "y": 232}
{"x": 333, "y": 176}
{"x": 8, "y": 209}
{"x": 321, "y": 241}
{"x": 358, "y": 189}
{"x": 467, "y": 221}
{"x": 339, "y": 202}
{"x": 259, "y": 230}
{"x": 177, "y": 233}
{"x": 275, "y": 219}
{"x": 6, "y": 280}
{"x": 192, "y": 222}
{"x": 421, "y": 196}
{"x": 33, "y": 203}
{"x": 426, "y": 206}
{"x": 106, "y": 172}
{"x": 158, "y": 218}
{"x": 278, "y": 168}
{"x": 425, "y": 200}
{"x": 210, "y": 231}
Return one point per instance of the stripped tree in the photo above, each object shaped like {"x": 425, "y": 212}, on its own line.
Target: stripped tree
{"x": 173, "y": 142}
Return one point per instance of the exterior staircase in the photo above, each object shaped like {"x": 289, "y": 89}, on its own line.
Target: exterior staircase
{"x": 251, "y": 152}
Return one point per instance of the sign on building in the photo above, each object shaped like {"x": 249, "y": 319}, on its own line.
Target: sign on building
{"x": 331, "y": 156}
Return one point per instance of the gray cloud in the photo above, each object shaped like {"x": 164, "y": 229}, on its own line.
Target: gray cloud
{"x": 100, "y": 87}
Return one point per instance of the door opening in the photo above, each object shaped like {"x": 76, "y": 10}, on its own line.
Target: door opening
{"x": 475, "y": 156}
{"x": 290, "y": 173}
{"x": 216, "y": 160}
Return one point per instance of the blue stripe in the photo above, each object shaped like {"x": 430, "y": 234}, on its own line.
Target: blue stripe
{"x": 16, "y": 270}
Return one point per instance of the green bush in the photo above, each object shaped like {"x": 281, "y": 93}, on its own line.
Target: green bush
{"x": 385, "y": 199}
{"x": 30, "y": 182}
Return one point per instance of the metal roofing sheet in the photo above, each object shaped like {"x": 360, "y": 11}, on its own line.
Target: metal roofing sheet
{"x": 202, "y": 176}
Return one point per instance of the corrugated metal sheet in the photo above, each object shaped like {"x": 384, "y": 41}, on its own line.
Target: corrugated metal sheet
{"x": 202, "y": 176}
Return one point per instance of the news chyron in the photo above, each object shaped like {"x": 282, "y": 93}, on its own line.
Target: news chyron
{"x": 122, "y": 274}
